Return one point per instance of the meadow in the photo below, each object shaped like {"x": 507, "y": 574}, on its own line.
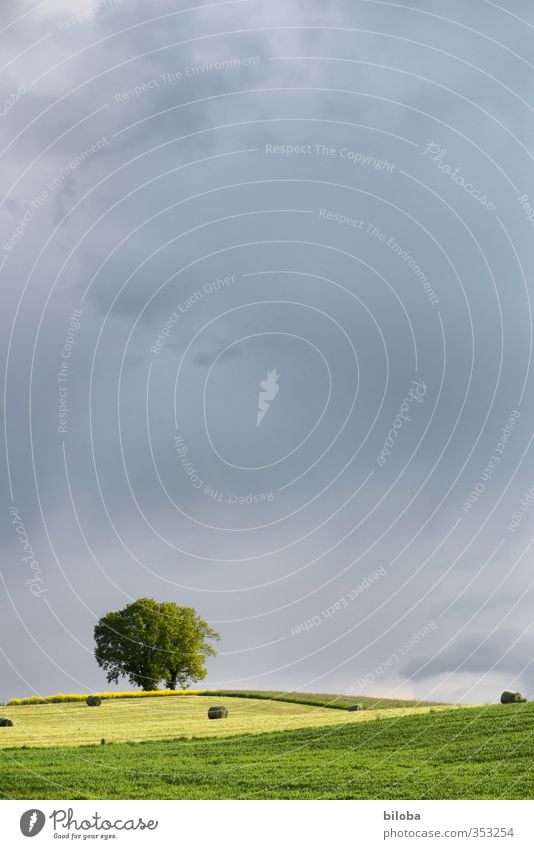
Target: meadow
{"x": 155, "y": 718}
{"x": 484, "y": 752}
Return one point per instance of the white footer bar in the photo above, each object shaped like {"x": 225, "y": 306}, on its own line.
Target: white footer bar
{"x": 264, "y": 825}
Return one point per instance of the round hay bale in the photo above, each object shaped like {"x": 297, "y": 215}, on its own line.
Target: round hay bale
{"x": 217, "y": 712}
{"x": 93, "y": 701}
{"x": 5, "y": 723}
{"x": 352, "y": 708}
{"x": 510, "y": 698}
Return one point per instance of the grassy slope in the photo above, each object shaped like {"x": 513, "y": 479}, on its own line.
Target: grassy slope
{"x": 472, "y": 753}
{"x": 324, "y": 699}
{"x": 135, "y": 720}
{"x": 313, "y": 699}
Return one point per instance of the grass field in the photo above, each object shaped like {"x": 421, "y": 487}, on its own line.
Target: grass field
{"x": 477, "y": 752}
{"x": 324, "y": 699}
{"x": 153, "y": 718}
{"x": 266, "y": 749}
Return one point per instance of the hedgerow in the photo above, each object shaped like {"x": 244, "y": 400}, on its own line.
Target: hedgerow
{"x": 81, "y": 697}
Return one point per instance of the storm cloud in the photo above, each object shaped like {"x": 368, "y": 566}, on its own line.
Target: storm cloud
{"x": 317, "y": 210}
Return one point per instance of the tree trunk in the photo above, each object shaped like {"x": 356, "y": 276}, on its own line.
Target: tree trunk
{"x": 171, "y": 683}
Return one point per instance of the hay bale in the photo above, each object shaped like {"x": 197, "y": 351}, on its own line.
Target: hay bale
{"x": 5, "y": 723}
{"x": 511, "y": 698}
{"x": 93, "y": 701}
{"x": 352, "y": 708}
{"x": 217, "y": 712}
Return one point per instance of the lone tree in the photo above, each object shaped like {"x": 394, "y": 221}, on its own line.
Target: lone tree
{"x": 149, "y": 641}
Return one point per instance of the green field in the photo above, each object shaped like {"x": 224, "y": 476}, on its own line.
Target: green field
{"x": 465, "y": 753}
{"x": 323, "y": 699}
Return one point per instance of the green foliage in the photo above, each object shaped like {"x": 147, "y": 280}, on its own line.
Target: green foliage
{"x": 93, "y": 701}
{"x": 150, "y": 641}
{"x": 472, "y": 753}
{"x": 5, "y": 723}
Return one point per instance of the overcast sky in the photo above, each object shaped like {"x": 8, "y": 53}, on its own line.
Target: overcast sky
{"x": 327, "y": 198}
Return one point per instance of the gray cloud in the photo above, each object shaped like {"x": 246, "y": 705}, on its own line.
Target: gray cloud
{"x": 191, "y": 229}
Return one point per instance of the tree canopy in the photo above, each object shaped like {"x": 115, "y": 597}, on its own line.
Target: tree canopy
{"x": 149, "y": 642}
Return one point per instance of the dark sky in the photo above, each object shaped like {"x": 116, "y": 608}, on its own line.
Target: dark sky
{"x": 311, "y": 210}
